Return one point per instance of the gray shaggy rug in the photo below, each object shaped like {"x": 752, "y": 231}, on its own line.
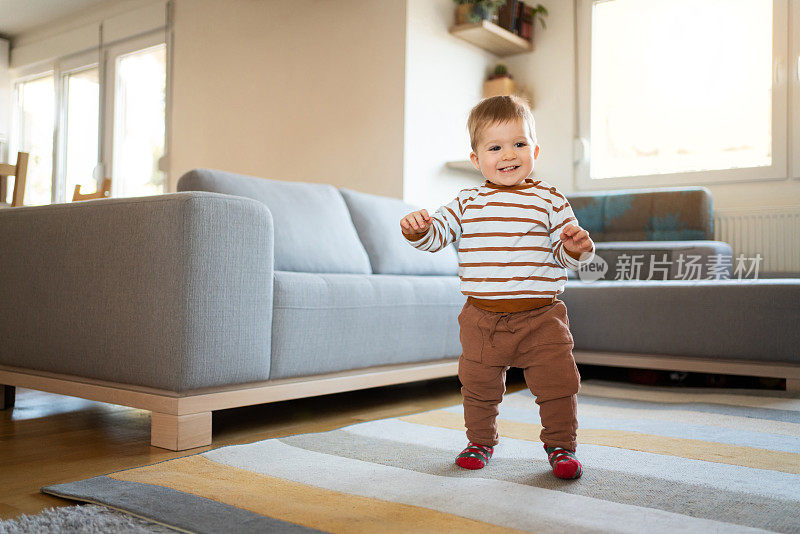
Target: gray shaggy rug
{"x": 83, "y": 519}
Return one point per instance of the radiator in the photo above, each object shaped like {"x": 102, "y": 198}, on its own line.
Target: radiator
{"x": 772, "y": 232}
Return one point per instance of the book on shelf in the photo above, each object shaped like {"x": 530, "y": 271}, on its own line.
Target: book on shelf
{"x": 526, "y": 26}
{"x": 517, "y": 17}
{"x": 506, "y": 13}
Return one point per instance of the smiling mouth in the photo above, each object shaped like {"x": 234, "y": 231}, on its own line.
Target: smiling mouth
{"x": 509, "y": 169}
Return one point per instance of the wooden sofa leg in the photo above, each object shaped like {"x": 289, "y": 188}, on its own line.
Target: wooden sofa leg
{"x": 793, "y": 385}
{"x": 180, "y": 432}
{"x": 7, "y": 396}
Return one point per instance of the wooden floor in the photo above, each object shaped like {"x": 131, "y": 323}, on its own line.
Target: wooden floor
{"x": 48, "y": 439}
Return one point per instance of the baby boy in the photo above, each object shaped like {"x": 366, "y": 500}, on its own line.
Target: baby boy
{"x": 516, "y": 237}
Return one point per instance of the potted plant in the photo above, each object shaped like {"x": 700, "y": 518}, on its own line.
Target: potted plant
{"x": 472, "y": 11}
{"x": 530, "y": 16}
{"x": 499, "y": 83}
{"x": 539, "y": 13}
{"x": 523, "y": 24}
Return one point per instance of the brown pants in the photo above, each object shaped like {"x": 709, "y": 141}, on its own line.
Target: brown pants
{"x": 537, "y": 341}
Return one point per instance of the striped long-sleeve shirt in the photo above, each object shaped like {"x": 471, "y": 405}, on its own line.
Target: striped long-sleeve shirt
{"x": 508, "y": 241}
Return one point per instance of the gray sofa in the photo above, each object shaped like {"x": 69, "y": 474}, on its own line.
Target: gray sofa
{"x": 239, "y": 290}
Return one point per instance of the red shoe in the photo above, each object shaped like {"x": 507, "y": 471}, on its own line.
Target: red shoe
{"x": 474, "y": 456}
{"x": 563, "y": 462}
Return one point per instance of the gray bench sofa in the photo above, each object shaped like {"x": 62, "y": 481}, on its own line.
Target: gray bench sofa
{"x": 695, "y": 313}
{"x": 239, "y": 290}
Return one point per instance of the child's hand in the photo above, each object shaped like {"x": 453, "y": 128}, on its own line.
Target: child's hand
{"x": 575, "y": 239}
{"x": 417, "y": 222}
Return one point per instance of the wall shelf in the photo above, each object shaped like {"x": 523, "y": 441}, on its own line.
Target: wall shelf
{"x": 492, "y": 37}
{"x": 465, "y": 165}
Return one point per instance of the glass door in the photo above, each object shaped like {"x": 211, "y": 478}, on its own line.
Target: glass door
{"x": 35, "y": 105}
{"x": 137, "y": 71}
{"x": 93, "y": 116}
{"x": 79, "y": 133}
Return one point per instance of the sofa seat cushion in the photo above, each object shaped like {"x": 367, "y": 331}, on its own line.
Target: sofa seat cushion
{"x": 313, "y": 229}
{"x": 377, "y": 220}
{"x": 715, "y": 319}
{"x": 324, "y": 323}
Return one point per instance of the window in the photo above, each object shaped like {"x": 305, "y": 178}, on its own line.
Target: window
{"x": 794, "y": 76}
{"x": 681, "y": 91}
{"x": 122, "y": 139}
{"x": 80, "y": 132}
{"x": 139, "y": 119}
{"x": 35, "y": 127}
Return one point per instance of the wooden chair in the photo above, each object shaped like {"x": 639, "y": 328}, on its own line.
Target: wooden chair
{"x": 18, "y": 171}
{"x": 104, "y": 192}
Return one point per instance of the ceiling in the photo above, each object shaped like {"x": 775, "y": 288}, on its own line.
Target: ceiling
{"x": 17, "y": 16}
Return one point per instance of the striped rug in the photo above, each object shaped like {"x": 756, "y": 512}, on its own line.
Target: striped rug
{"x": 655, "y": 459}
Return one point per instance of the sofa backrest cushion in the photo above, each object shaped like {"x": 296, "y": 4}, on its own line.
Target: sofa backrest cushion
{"x": 377, "y": 220}
{"x": 650, "y": 214}
{"x": 313, "y": 229}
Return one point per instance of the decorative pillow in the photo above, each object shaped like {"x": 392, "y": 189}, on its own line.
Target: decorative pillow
{"x": 377, "y": 221}
{"x": 313, "y": 229}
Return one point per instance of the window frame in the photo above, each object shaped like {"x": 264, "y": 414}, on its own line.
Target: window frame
{"x": 780, "y": 126}
{"x": 794, "y": 76}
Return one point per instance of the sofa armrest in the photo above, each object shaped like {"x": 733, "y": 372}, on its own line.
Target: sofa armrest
{"x": 171, "y": 291}
{"x": 680, "y": 260}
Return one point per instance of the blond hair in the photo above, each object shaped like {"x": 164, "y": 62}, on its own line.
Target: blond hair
{"x": 498, "y": 109}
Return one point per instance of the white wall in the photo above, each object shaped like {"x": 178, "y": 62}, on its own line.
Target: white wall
{"x": 549, "y": 73}
{"x": 444, "y": 80}
{"x": 308, "y": 90}
{"x": 367, "y": 94}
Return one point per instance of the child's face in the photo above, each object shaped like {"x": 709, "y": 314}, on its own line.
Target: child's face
{"x": 502, "y": 145}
